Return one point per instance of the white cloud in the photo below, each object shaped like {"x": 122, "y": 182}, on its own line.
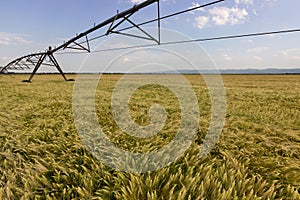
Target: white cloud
{"x": 196, "y": 4}
{"x": 258, "y": 58}
{"x": 254, "y": 12}
{"x": 140, "y": 1}
{"x": 267, "y": 3}
{"x": 126, "y": 59}
{"x": 136, "y": 1}
{"x": 5, "y": 58}
{"x": 248, "y": 2}
{"x": 224, "y": 15}
{"x": 11, "y": 38}
{"x": 227, "y": 57}
{"x": 258, "y": 49}
{"x": 292, "y": 53}
{"x": 201, "y": 21}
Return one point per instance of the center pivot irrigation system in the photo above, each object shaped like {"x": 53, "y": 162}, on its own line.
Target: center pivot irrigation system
{"x": 81, "y": 43}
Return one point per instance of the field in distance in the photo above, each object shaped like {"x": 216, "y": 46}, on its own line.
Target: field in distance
{"x": 257, "y": 156}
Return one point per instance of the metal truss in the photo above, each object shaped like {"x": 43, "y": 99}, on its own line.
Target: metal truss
{"x": 3, "y": 70}
{"x": 36, "y": 60}
{"x": 81, "y": 43}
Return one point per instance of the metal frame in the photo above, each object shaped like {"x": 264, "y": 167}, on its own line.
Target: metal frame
{"x": 36, "y": 60}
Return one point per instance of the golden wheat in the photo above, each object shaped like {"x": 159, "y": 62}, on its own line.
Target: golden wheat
{"x": 257, "y": 156}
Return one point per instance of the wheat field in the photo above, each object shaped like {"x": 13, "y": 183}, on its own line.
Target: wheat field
{"x": 257, "y": 156}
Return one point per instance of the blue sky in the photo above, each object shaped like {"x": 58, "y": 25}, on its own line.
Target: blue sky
{"x": 32, "y": 25}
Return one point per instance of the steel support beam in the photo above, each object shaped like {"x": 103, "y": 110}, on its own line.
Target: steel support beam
{"x": 38, "y": 59}
{"x": 3, "y": 70}
{"x": 121, "y": 15}
{"x": 39, "y": 63}
{"x": 76, "y": 43}
{"x": 158, "y": 22}
{"x": 54, "y": 61}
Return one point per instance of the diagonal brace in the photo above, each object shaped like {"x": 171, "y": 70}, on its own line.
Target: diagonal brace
{"x": 39, "y": 63}
{"x": 54, "y": 61}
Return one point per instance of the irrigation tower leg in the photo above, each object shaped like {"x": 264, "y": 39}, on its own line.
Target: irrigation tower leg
{"x": 38, "y": 64}
{"x": 54, "y": 61}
